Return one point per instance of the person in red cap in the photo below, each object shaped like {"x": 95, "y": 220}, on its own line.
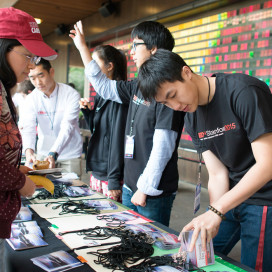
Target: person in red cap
{"x": 21, "y": 46}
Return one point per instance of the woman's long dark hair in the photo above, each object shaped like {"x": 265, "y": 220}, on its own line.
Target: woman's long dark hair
{"x": 7, "y": 76}
{"x": 108, "y": 53}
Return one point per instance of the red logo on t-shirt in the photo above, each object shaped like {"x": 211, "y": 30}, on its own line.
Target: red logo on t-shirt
{"x": 41, "y": 112}
{"x": 139, "y": 101}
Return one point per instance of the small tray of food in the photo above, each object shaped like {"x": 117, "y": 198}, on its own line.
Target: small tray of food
{"x": 42, "y": 168}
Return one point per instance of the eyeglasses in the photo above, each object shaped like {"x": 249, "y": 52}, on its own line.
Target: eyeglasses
{"x": 134, "y": 45}
{"x": 34, "y": 60}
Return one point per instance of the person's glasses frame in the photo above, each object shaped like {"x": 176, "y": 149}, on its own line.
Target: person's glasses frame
{"x": 35, "y": 60}
{"x": 135, "y": 44}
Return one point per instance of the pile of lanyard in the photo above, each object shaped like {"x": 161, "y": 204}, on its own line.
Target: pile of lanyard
{"x": 124, "y": 254}
{"x": 74, "y": 207}
{"x": 132, "y": 253}
{"x": 58, "y": 193}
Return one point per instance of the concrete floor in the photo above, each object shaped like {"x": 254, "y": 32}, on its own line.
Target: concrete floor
{"x": 182, "y": 211}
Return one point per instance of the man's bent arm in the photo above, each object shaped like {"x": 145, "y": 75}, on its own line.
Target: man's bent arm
{"x": 68, "y": 123}
{"x": 28, "y": 125}
{"x": 164, "y": 142}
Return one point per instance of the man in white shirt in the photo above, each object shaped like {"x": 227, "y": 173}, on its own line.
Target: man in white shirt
{"x": 22, "y": 90}
{"x": 54, "y": 108}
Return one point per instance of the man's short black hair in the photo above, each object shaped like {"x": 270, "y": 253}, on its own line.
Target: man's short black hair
{"x": 45, "y": 64}
{"x": 26, "y": 87}
{"x": 163, "y": 66}
{"x": 154, "y": 34}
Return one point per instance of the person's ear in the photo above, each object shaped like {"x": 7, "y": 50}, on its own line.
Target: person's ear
{"x": 110, "y": 66}
{"x": 186, "y": 72}
{"x": 52, "y": 72}
{"x": 154, "y": 50}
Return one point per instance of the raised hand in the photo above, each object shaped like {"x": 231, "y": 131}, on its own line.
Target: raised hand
{"x": 78, "y": 37}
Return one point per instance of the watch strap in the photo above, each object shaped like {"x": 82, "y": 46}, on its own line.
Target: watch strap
{"x": 54, "y": 155}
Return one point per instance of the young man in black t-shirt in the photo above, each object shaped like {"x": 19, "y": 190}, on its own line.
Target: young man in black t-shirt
{"x": 229, "y": 117}
{"x": 152, "y": 130}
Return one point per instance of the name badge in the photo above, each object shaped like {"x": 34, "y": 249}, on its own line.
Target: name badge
{"x": 129, "y": 147}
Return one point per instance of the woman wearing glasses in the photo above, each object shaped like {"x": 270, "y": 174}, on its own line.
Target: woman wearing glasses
{"x": 20, "y": 44}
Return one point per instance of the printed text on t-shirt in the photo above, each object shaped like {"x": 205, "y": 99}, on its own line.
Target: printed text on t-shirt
{"x": 208, "y": 134}
{"x": 139, "y": 101}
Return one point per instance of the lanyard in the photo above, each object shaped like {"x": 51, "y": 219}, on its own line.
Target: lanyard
{"x": 198, "y": 186}
{"x": 199, "y": 168}
{"x": 54, "y": 113}
{"x": 132, "y": 121}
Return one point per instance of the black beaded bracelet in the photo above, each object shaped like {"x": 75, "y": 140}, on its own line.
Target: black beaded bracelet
{"x": 211, "y": 208}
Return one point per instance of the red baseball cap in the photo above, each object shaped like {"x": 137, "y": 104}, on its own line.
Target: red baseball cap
{"x": 17, "y": 24}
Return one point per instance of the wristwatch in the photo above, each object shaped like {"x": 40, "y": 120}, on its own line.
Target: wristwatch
{"x": 54, "y": 155}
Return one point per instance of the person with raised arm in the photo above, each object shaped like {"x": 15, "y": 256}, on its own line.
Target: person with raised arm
{"x": 152, "y": 130}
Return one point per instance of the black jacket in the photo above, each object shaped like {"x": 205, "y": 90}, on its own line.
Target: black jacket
{"x": 105, "y": 154}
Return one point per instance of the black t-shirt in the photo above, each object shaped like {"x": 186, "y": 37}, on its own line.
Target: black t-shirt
{"x": 240, "y": 112}
{"x": 147, "y": 117}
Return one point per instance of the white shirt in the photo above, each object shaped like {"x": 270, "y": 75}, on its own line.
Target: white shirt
{"x": 57, "y": 120}
{"x": 18, "y": 99}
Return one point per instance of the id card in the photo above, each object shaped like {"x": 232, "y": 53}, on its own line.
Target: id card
{"x": 129, "y": 147}
{"x": 197, "y": 197}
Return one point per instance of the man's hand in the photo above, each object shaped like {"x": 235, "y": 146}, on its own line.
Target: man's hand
{"x": 208, "y": 223}
{"x": 139, "y": 199}
{"x": 51, "y": 161}
{"x": 115, "y": 194}
{"x": 84, "y": 103}
{"x": 28, "y": 189}
{"x": 30, "y": 157}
